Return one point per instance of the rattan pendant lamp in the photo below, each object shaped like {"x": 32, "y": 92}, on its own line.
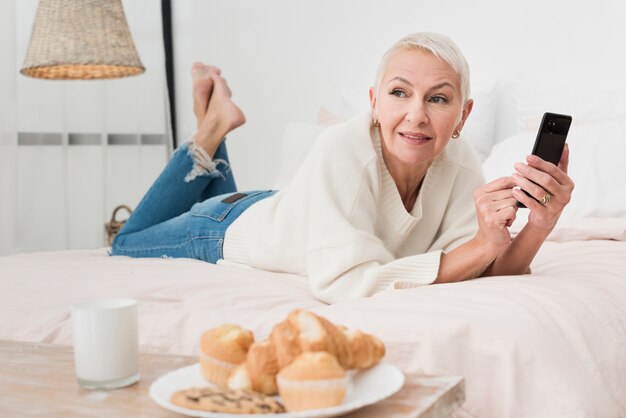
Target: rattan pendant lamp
{"x": 81, "y": 40}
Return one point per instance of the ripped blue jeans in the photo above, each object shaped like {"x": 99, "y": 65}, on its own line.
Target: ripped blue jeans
{"x": 186, "y": 215}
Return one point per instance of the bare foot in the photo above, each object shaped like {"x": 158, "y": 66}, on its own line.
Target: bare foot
{"x": 202, "y": 88}
{"x": 222, "y": 116}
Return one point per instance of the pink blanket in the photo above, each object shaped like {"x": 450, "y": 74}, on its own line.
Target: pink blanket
{"x": 550, "y": 344}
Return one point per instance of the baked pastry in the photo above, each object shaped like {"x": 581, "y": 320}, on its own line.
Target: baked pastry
{"x": 214, "y": 399}
{"x": 284, "y": 336}
{"x": 221, "y": 350}
{"x": 258, "y": 372}
{"x": 318, "y": 334}
{"x": 313, "y": 380}
{"x": 353, "y": 349}
{"x": 230, "y": 359}
{"x": 367, "y": 349}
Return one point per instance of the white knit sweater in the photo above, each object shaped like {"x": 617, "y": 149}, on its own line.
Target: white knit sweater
{"x": 341, "y": 221}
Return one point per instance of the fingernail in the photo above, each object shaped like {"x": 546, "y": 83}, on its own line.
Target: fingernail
{"x": 532, "y": 158}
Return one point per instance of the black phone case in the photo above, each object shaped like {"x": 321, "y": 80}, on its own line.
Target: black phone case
{"x": 550, "y": 139}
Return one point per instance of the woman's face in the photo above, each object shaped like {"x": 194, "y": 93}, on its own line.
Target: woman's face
{"x": 419, "y": 106}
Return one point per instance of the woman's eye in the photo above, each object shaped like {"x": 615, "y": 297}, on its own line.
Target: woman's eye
{"x": 397, "y": 93}
{"x": 438, "y": 99}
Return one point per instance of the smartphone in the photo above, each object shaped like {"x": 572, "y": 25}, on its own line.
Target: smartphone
{"x": 550, "y": 139}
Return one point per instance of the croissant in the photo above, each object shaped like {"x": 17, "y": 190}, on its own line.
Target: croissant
{"x": 258, "y": 371}
{"x": 303, "y": 331}
{"x": 318, "y": 334}
{"x": 285, "y": 338}
{"x": 367, "y": 349}
{"x": 354, "y": 349}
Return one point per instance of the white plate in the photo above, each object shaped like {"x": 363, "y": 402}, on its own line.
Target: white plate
{"x": 368, "y": 387}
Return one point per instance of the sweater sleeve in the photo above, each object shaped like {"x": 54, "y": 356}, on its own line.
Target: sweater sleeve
{"x": 371, "y": 275}
{"x": 345, "y": 258}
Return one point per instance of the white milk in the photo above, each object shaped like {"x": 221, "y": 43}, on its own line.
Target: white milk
{"x": 106, "y": 343}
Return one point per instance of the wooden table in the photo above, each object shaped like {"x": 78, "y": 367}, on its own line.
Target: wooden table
{"x": 38, "y": 380}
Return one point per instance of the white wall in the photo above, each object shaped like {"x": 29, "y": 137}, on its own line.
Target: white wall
{"x": 285, "y": 59}
{"x": 65, "y": 193}
{"x": 8, "y": 133}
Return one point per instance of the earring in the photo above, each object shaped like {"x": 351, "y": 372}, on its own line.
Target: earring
{"x": 456, "y": 134}
{"x": 376, "y": 123}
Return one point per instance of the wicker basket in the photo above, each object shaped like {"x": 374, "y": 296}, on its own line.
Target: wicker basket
{"x": 114, "y": 226}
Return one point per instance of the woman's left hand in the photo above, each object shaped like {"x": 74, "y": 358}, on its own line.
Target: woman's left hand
{"x": 553, "y": 189}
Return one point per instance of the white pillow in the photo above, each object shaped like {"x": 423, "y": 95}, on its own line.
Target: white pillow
{"x": 479, "y": 130}
{"x": 597, "y": 153}
{"x": 298, "y": 138}
{"x": 585, "y": 100}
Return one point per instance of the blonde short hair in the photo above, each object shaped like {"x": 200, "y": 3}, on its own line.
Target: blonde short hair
{"x": 440, "y": 46}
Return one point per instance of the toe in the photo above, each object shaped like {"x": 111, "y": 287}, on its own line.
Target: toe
{"x": 214, "y": 70}
{"x": 196, "y": 68}
{"x": 199, "y": 69}
{"x": 220, "y": 85}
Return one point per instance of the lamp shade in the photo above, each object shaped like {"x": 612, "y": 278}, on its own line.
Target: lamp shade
{"x": 81, "y": 39}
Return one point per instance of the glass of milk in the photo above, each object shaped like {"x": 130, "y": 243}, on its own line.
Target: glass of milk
{"x": 106, "y": 341}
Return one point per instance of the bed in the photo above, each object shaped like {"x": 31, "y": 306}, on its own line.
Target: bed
{"x": 548, "y": 344}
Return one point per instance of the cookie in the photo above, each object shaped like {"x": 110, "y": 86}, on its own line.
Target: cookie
{"x": 215, "y": 399}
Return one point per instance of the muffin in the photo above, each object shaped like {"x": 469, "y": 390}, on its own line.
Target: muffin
{"x": 221, "y": 350}
{"x": 313, "y": 380}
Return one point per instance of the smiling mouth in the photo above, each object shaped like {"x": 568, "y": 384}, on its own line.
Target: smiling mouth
{"x": 415, "y": 137}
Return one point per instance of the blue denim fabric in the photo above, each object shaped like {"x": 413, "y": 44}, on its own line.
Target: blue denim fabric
{"x": 185, "y": 219}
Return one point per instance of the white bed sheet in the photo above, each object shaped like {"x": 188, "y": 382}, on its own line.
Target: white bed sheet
{"x": 544, "y": 345}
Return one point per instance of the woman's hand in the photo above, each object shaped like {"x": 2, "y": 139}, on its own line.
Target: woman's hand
{"x": 552, "y": 188}
{"x": 495, "y": 208}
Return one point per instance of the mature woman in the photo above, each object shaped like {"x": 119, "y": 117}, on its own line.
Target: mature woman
{"x": 388, "y": 198}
